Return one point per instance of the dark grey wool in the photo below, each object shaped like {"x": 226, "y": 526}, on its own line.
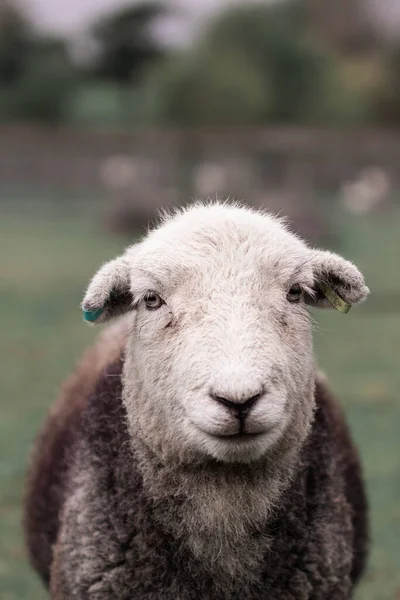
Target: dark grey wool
{"x": 96, "y": 531}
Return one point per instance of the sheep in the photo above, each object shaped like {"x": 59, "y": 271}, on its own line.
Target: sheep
{"x": 197, "y": 453}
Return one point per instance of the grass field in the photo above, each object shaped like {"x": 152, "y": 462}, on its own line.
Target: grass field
{"x": 44, "y": 268}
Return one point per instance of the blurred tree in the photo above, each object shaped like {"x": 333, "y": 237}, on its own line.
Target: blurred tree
{"x": 125, "y": 43}
{"x": 386, "y": 101}
{"x": 36, "y": 73}
{"x": 47, "y": 84}
{"x": 345, "y": 25}
{"x": 210, "y": 88}
{"x": 15, "y": 37}
{"x": 256, "y": 63}
{"x": 275, "y": 40}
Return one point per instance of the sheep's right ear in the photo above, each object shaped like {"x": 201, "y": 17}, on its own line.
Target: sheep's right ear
{"x": 108, "y": 294}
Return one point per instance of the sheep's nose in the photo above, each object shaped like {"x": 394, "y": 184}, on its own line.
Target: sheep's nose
{"x": 240, "y": 406}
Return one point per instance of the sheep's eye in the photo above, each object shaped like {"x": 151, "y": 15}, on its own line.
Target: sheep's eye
{"x": 294, "y": 294}
{"x": 153, "y": 301}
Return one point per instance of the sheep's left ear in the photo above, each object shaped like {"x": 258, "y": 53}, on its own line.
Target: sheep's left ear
{"x": 108, "y": 294}
{"x": 337, "y": 282}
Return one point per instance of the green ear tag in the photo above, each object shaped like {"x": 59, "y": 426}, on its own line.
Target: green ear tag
{"x": 334, "y": 299}
{"x": 92, "y": 315}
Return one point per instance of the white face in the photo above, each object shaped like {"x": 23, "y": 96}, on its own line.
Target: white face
{"x": 219, "y": 361}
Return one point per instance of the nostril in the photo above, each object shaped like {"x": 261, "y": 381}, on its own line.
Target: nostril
{"x": 241, "y": 406}
{"x": 251, "y": 401}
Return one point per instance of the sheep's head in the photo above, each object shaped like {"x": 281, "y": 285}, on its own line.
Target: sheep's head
{"x": 219, "y": 362}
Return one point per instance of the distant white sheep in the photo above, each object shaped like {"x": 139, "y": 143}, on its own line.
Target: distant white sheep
{"x": 210, "y": 178}
{"x": 370, "y": 190}
{"x": 196, "y": 454}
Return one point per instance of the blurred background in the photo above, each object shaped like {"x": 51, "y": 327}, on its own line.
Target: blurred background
{"x": 111, "y": 110}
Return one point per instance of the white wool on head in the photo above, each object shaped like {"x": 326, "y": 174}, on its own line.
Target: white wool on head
{"x": 226, "y": 328}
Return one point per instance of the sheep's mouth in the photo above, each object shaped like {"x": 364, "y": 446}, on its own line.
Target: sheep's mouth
{"x": 240, "y": 437}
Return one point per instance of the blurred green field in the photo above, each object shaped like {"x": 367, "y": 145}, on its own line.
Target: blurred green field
{"x": 44, "y": 269}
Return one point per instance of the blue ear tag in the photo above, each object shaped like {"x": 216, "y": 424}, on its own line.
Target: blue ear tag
{"x": 92, "y": 315}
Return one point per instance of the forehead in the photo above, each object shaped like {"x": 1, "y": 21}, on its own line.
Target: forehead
{"x": 223, "y": 242}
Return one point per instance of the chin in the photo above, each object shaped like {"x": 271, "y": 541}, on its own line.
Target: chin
{"x": 239, "y": 449}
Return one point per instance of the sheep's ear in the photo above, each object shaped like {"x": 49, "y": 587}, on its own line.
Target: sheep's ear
{"x": 108, "y": 294}
{"x": 337, "y": 282}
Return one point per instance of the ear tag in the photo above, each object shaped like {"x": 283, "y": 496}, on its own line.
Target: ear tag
{"x": 92, "y": 315}
{"x": 334, "y": 299}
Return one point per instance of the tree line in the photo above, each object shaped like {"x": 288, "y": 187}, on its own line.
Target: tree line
{"x": 253, "y": 65}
